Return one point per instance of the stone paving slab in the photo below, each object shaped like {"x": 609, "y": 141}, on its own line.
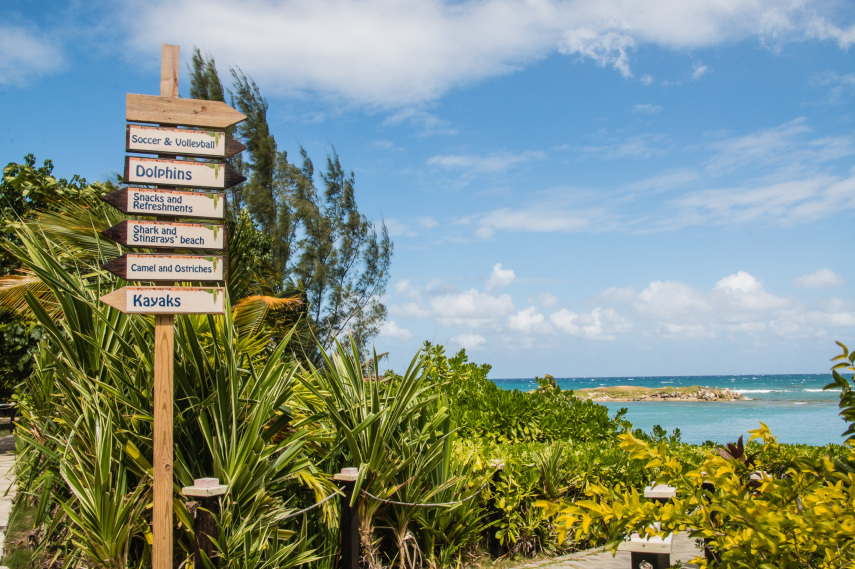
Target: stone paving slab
{"x": 7, "y": 488}
{"x": 683, "y": 549}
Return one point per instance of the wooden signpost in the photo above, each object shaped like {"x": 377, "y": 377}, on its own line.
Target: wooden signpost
{"x": 160, "y": 202}
{"x": 148, "y": 267}
{"x": 137, "y": 233}
{"x": 189, "y": 142}
{"x": 164, "y": 302}
{"x": 174, "y": 111}
{"x": 160, "y": 172}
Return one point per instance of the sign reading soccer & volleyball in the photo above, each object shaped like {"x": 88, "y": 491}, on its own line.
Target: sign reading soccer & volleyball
{"x": 176, "y": 128}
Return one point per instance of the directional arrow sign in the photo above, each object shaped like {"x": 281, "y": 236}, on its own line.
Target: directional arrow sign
{"x": 142, "y": 267}
{"x": 136, "y": 233}
{"x": 174, "y": 203}
{"x": 180, "y": 141}
{"x": 166, "y": 300}
{"x": 188, "y": 112}
{"x": 158, "y": 172}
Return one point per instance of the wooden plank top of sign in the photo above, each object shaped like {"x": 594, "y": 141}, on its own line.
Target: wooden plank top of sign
{"x": 152, "y": 267}
{"x": 154, "y": 234}
{"x": 177, "y": 111}
{"x": 180, "y": 141}
{"x": 172, "y": 203}
{"x": 167, "y": 300}
{"x": 164, "y": 172}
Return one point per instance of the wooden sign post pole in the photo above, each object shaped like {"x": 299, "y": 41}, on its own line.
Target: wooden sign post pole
{"x": 164, "y": 357}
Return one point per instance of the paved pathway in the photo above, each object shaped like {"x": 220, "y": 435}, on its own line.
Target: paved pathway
{"x": 683, "y": 549}
{"x": 7, "y": 489}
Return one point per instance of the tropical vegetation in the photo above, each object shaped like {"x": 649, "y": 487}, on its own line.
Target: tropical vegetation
{"x": 275, "y": 397}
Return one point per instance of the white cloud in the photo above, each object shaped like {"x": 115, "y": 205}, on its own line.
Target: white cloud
{"x": 822, "y": 279}
{"x": 396, "y": 54}
{"x": 471, "y": 309}
{"x": 424, "y": 122}
{"x": 390, "y": 329}
{"x": 27, "y": 53}
{"x": 528, "y": 321}
{"x": 599, "y": 324}
{"x": 544, "y": 217}
{"x": 605, "y": 47}
{"x": 547, "y": 300}
{"x": 839, "y": 88}
{"x": 494, "y": 163}
{"x": 786, "y": 146}
{"x": 469, "y": 341}
{"x": 666, "y": 300}
{"x": 785, "y": 204}
{"x": 699, "y": 70}
{"x": 500, "y": 277}
{"x": 426, "y": 222}
{"x": 647, "y": 109}
{"x": 638, "y": 146}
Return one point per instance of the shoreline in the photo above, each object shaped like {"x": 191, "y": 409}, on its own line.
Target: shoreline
{"x": 622, "y": 393}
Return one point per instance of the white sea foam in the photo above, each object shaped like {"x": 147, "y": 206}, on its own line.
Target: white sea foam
{"x": 799, "y": 402}
{"x": 816, "y": 390}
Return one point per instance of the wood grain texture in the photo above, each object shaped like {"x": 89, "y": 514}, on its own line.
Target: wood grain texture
{"x": 166, "y": 300}
{"x": 161, "y": 202}
{"x": 169, "y": 142}
{"x": 180, "y": 173}
{"x": 176, "y": 111}
{"x": 167, "y": 268}
{"x": 162, "y": 439}
{"x": 167, "y": 234}
{"x": 169, "y": 60}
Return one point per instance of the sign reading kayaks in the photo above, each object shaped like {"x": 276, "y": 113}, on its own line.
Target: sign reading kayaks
{"x": 160, "y": 172}
{"x": 180, "y": 141}
{"x": 137, "y": 233}
{"x": 151, "y": 267}
{"x": 166, "y": 300}
{"x": 173, "y": 203}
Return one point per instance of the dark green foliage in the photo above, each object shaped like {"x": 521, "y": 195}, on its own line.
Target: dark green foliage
{"x": 320, "y": 244}
{"x": 481, "y": 409}
{"x": 846, "y": 364}
{"x": 26, "y": 189}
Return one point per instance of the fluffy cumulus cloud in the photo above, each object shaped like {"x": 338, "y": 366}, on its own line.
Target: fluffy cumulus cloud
{"x": 390, "y": 329}
{"x": 822, "y": 279}
{"x": 736, "y": 308}
{"x": 500, "y": 277}
{"x": 598, "y": 324}
{"x": 385, "y": 53}
{"x": 469, "y": 341}
{"x": 26, "y": 53}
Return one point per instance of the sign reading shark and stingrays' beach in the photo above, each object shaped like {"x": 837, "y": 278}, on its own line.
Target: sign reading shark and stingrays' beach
{"x": 164, "y": 234}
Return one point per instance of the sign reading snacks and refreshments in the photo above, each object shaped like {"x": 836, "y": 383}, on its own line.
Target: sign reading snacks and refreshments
{"x": 173, "y": 203}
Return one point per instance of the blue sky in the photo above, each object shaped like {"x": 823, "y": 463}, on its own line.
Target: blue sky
{"x": 621, "y": 187}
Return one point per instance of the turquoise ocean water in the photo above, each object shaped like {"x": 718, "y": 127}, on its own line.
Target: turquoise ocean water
{"x": 795, "y": 407}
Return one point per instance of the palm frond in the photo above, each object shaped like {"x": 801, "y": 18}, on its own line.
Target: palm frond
{"x": 250, "y": 312}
